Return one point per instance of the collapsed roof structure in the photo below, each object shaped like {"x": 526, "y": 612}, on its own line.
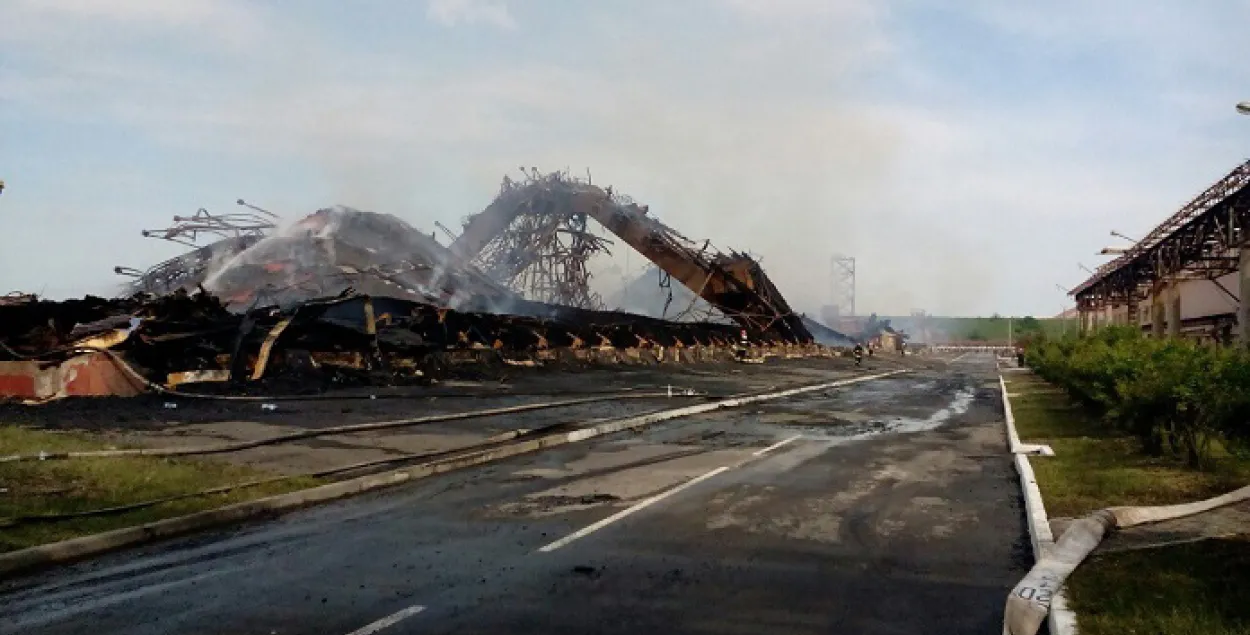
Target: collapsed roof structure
{"x": 734, "y": 283}
{"x": 532, "y": 242}
{"x": 356, "y": 292}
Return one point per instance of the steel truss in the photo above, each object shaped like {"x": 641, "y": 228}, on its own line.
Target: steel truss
{"x": 1201, "y": 241}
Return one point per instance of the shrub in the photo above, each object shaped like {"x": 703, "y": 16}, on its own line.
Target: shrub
{"x": 1175, "y": 396}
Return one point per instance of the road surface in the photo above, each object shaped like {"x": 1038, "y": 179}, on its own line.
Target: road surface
{"x": 884, "y": 507}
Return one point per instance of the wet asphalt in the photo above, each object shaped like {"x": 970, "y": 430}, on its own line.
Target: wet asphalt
{"x": 884, "y": 507}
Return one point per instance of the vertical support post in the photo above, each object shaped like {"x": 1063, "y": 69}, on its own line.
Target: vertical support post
{"x": 1157, "y": 314}
{"x": 1243, "y": 297}
{"x": 1174, "y": 308}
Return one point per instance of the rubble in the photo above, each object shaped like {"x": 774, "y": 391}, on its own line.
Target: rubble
{"x": 181, "y": 338}
{"x": 345, "y": 295}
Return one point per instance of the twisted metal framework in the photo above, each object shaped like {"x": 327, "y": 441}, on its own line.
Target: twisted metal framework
{"x": 233, "y": 233}
{"x": 733, "y": 282}
{"x": 1201, "y": 241}
{"x": 186, "y": 230}
{"x": 543, "y": 252}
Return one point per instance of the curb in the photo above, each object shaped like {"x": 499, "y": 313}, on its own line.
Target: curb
{"x": 1061, "y": 619}
{"x": 84, "y": 546}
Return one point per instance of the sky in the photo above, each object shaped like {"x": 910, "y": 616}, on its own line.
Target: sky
{"x": 970, "y": 155}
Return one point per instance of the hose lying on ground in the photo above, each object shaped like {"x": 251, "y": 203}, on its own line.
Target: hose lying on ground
{"x": 360, "y": 427}
{"x": 1029, "y": 602}
{"x": 352, "y": 467}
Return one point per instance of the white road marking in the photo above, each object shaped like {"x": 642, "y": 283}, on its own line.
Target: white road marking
{"x": 626, "y": 512}
{"x": 389, "y": 620}
{"x": 777, "y": 445}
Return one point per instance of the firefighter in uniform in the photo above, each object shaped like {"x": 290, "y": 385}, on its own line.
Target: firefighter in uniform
{"x": 858, "y": 352}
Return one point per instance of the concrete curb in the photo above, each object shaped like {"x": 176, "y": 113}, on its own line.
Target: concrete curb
{"x": 84, "y": 546}
{"x": 1062, "y": 620}
{"x": 1013, "y": 438}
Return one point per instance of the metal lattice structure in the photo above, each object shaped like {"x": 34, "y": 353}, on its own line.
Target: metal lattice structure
{"x": 187, "y": 230}
{"x": 1200, "y": 241}
{"x": 732, "y": 282}
{"x": 843, "y": 270}
{"x": 233, "y": 233}
{"x": 543, "y": 252}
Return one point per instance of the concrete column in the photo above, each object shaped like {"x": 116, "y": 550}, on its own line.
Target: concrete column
{"x": 1157, "y": 313}
{"x": 1243, "y": 298}
{"x": 1174, "y": 309}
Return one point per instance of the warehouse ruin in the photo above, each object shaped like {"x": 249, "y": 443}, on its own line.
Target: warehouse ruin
{"x": 349, "y": 295}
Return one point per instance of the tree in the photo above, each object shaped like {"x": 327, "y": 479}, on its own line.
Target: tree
{"x": 1029, "y": 324}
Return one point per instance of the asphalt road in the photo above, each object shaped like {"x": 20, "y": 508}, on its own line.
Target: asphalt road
{"x": 885, "y": 507}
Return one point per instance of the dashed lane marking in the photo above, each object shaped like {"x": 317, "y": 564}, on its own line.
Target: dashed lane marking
{"x": 626, "y": 512}
{"x": 777, "y": 445}
{"x": 388, "y": 621}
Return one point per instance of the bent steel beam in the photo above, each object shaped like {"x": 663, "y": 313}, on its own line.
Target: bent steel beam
{"x": 734, "y": 283}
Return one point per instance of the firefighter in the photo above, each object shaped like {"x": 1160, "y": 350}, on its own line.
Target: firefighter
{"x": 858, "y": 352}
{"x": 741, "y": 349}
{"x": 1020, "y": 356}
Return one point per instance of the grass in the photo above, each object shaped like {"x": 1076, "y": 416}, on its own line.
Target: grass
{"x": 1198, "y": 588}
{"x": 54, "y": 487}
{"x": 1193, "y": 588}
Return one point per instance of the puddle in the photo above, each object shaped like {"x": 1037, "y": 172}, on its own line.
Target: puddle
{"x": 958, "y": 405}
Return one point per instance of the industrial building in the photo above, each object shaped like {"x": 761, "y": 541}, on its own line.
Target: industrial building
{"x": 1187, "y": 277}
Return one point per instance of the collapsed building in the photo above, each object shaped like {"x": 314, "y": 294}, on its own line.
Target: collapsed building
{"x": 349, "y": 294}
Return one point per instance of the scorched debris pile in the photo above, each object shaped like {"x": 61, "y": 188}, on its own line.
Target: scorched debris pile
{"x": 734, "y": 283}
{"x": 355, "y": 338}
{"x": 344, "y": 294}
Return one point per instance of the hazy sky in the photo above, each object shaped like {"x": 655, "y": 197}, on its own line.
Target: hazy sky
{"x": 968, "y": 157}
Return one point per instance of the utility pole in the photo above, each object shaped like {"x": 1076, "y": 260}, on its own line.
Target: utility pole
{"x": 1063, "y": 310}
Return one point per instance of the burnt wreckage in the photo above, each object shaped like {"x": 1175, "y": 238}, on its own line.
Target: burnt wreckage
{"x": 344, "y": 293}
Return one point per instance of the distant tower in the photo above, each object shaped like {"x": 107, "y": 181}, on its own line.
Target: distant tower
{"x": 844, "y": 285}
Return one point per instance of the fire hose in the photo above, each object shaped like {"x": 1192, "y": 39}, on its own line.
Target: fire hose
{"x": 352, "y": 467}
{"x": 1029, "y": 602}
{"x": 334, "y": 430}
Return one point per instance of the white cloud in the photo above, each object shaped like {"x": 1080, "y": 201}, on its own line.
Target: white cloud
{"x": 456, "y": 12}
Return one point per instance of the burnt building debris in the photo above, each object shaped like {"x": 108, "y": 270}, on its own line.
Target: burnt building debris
{"x": 348, "y": 295}
{"x": 324, "y": 254}
{"x": 652, "y": 293}
{"x": 543, "y": 249}
{"x": 532, "y": 243}
{"x": 733, "y": 282}
{"x": 230, "y": 234}
{"x": 157, "y": 343}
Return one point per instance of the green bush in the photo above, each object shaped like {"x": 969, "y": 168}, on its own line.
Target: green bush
{"x": 1174, "y": 395}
